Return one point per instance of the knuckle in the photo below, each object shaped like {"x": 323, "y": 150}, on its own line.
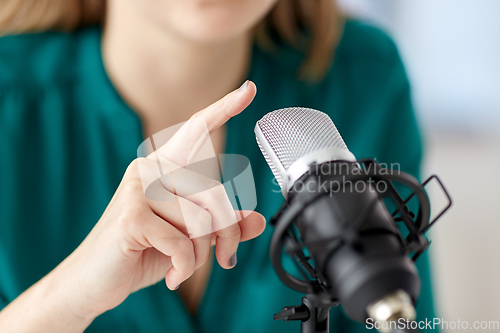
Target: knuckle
{"x": 131, "y": 186}
{"x": 196, "y": 119}
{"x": 213, "y": 193}
{"x": 126, "y": 221}
{"x": 130, "y": 218}
{"x": 218, "y": 192}
{"x": 185, "y": 246}
{"x": 233, "y": 232}
{"x": 207, "y": 183}
{"x": 196, "y": 115}
{"x": 133, "y": 167}
{"x": 200, "y": 224}
{"x": 204, "y": 218}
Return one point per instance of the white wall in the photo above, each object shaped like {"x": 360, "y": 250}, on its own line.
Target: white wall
{"x": 451, "y": 49}
{"x": 465, "y": 243}
{"x": 452, "y": 52}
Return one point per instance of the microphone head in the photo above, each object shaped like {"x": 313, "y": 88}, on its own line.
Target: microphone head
{"x": 292, "y": 139}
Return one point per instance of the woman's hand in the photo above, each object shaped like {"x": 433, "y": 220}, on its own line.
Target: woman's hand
{"x": 139, "y": 241}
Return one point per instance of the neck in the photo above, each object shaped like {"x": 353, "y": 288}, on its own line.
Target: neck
{"x": 163, "y": 76}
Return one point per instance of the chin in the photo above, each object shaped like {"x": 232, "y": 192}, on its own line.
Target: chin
{"x": 210, "y": 21}
{"x": 209, "y": 31}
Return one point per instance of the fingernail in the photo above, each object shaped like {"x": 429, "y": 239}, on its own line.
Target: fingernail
{"x": 232, "y": 261}
{"x": 177, "y": 287}
{"x": 243, "y": 86}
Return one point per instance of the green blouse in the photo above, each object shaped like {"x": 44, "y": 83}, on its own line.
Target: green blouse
{"x": 66, "y": 138}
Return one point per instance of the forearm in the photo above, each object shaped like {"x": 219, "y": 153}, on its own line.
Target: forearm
{"x": 47, "y": 306}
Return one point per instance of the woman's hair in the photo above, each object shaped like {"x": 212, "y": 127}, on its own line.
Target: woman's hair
{"x": 313, "y": 26}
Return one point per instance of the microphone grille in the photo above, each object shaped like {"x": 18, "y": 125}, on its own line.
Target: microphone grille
{"x": 295, "y": 132}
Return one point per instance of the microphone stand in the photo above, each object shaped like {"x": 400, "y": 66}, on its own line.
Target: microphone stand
{"x": 314, "y": 312}
{"x": 316, "y": 319}
{"x": 315, "y": 316}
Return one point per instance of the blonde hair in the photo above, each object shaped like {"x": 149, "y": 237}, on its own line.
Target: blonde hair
{"x": 312, "y": 26}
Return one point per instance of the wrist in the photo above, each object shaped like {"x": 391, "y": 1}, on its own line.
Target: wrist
{"x": 64, "y": 292}
{"x": 47, "y": 306}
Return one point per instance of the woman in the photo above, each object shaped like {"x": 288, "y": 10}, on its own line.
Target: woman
{"x": 74, "y": 107}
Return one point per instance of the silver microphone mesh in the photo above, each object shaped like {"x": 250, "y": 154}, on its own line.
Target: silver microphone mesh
{"x": 295, "y": 132}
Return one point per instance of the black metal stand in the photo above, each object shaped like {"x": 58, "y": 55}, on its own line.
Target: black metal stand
{"x": 314, "y": 313}
{"x": 315, "y": 319}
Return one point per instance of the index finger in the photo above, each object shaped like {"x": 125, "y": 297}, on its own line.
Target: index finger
{"x": 188, "y": 140}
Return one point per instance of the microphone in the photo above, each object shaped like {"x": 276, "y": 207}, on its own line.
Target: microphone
{"x": 336, "y": 226}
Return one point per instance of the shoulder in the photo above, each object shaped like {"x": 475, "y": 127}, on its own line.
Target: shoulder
{"x": 361, "y": 41}
{"x": 361, "y": 45}
{"x": 39, "y": 58}
{"x": 367, "y": 61}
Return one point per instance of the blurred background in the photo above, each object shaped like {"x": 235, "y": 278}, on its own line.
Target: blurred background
{"x": 451, "y": 49}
